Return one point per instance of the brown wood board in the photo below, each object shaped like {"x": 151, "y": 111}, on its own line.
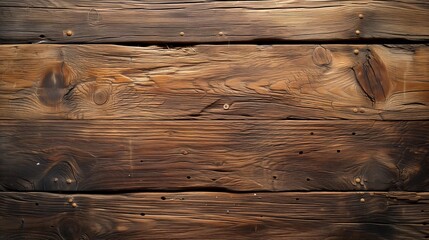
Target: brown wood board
{"x": 389, "y": 82}
{"x": 87, "y": 21}
{"x": 230, "y": 155}
{"x": 214, "y": 215}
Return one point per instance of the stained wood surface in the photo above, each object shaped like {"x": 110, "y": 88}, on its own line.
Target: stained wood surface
{"x": 221, "y": 155}
{"x": 210, "y": 21}
{"x": 388, "y": 82}
{"x": 212, "y": 215}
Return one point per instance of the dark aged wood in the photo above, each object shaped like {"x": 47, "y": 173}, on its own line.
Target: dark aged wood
{"x": 225, "y": 155}
{"x": 213, "y": 215}
{"x": 388, "y": 82}
{"x": 210, "y": 21}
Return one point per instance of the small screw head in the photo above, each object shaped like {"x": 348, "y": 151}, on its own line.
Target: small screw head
{"x": 356, "y": 51}
{"x": 357, "y": 32}
{"x": 182, "y": 34}
{"x": 74, "y": 205}
{"x": 226, "y": 106}
{"x": 360, "y": 15}
{"x": 69, "y": 33}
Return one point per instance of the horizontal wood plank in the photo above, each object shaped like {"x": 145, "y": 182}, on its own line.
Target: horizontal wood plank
{"x": 231, "y": 155}
{"x": 211, "y": 215}
{"x": 106, "y": 21}
{"x": 215, "y": 82}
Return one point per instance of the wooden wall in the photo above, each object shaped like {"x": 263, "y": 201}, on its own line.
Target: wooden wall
{"x": 213, "y": 119}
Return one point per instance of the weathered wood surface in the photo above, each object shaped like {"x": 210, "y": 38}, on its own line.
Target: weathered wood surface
{"x": 210, "y": 21}
{"x": 212, "y": 215}
{"x": 215, "y": 82}
{"x": 223, "y": 155}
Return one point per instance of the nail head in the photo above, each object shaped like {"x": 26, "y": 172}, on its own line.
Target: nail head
{"x": 226, "y": 106}
{"x": 357, "y": 32}
{"x": 69, "y": 181}
{"x": 355, "y": 110}
{"x": 182, "y": 34}
{"x": 74, "y": 205}
{"x": 357, "y": 180}
{"x": 360, "y": 15}
{"x": 356, "y": 51}
{"x": 362, "y": 200}
{"x": 69, "y": 33}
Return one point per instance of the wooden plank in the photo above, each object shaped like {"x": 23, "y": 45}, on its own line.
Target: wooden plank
{"x": 215, "y": 82}
{"x": 233, "y": 155}
{"x": 214, "y": 215}
{"x": 210, "y": 21}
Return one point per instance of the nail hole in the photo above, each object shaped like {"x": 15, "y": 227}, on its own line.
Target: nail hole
{"x": 42, "y": 36}
{"x": 422, "y": 210}
{"x": 142, "y": 214}
{"x": 338, "y": 151}
{"x": 141, "y": 160}
{"x": 312, "y": 133}
{"x": 52, "y": 226}
{"x": 353, "y": 133}
{"x": 297, "y": 199}
{"x": 274, "y": 177}
{"x": 308, "y": 179}
{"x": 425, "y": 223}
{"x": 301, "y": 152}
{"x": 188, "y": 177}
{"x": 37, "y": 204}
{"x": 163, "y": 198}
{"x": 213, "y": 179}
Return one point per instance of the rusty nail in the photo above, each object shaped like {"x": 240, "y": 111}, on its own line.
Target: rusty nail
{"x": 356, "y": 51}
{"x": 226, "y": 106}
{"x": 69, "y": 33}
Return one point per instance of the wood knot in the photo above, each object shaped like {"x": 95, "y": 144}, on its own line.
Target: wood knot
{"x": 53, "y": 86}
{"x": 100, "y": 93}
{"x": 100, "y": 97}
{"x": 322, "y": 56}
{"x": 372, "y": 77}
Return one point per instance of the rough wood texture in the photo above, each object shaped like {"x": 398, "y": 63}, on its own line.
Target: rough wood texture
{"x": 215, "y": 82}
{"x": 211, "y": 215}
{"x": 226, "y": 155}
{"x": 210, "y": 21}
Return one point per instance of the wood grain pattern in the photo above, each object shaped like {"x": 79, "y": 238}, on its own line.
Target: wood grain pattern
{"x": 221, "y": 155}
{"x": 215, "y": 82}
{"x": 107, "y": 21}
{"x": 211, "y": 215}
